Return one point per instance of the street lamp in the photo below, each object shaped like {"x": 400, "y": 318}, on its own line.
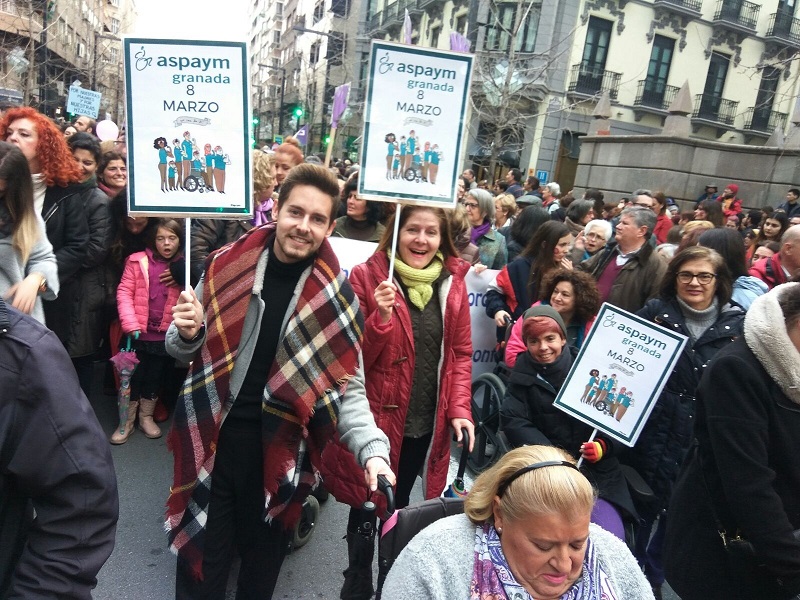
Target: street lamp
{"x": 283, "y": 91}
{"x": 104, "y": 36}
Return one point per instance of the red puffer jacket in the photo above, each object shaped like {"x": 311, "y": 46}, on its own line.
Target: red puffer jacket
{"x": 389, "y": 359}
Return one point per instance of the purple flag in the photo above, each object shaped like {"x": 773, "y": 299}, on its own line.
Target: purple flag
{"x": 340, "y": 97}
{"x": 407, "y": 28}
{"x": 458, "y": 42}
{"x": 302, "y": 135}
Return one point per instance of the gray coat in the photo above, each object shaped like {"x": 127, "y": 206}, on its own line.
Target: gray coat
{"x": 356, "y": 425}
{"x": 42, "y": 260}
{"x": 438, "y": 564}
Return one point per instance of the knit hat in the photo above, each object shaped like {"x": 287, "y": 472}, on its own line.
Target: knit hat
{"x": 733, "y": 188}
{"x": 544, "y": 310}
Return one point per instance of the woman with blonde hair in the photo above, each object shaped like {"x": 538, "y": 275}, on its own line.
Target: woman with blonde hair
{"x": 505, "y": 209}
{"x": 28, "y": 270}
{"x": 525, "y": 533}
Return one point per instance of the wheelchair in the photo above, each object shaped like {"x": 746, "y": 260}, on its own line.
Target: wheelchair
{"x": 488, "y": 391}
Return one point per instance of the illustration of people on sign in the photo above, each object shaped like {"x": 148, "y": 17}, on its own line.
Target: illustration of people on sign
{"x": 209, "y": 172}
{"x": 187, "y": 149}
{"x": 220, "y": 161}
{"x": 177, "y": 154}
{"x": 391, "y": 148}
{"x": 407, "y": 159}
{"x": 160, "y": 144}
{"x": 610, "y": 383}
{"x": 171, "y": 176}
{"x": 594, "y": 379}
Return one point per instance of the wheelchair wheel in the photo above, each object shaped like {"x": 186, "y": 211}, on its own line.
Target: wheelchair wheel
{"x": 487, "y": 394}
{"x": 601, "y": 406}
{"x": 190, "y": 184}
{"x": 410, "y": 175}
{"x": 308, "y": 520}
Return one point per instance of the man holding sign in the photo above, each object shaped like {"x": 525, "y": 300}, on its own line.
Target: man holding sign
{"x": 264, "y": 394}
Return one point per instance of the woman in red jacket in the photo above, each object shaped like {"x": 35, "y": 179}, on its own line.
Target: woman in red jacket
{"x": 417, "y": 360}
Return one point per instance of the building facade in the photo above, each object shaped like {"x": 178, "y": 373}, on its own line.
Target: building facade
{"x": 47, "y": 46}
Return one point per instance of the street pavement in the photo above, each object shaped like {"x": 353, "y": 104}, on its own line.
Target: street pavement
{"x": 141, "y": 567}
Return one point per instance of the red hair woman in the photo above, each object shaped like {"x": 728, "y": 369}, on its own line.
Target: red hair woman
{"x": 56, "y": 194}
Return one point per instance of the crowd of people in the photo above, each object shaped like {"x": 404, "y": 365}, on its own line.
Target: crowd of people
{"x": 296, "y": 375}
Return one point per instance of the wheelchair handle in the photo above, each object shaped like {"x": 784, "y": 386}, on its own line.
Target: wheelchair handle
{"x": 387, "y": 490}
{"x": 462, "y": 463}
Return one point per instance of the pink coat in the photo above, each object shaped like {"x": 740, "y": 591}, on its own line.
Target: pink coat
{"x": 389, "y": 360}
{"x": 133, "y": 296}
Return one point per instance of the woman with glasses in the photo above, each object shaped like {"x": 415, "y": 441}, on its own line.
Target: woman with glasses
{"x": 491, "y": 244}
{"x": 525, "y": 533}
{"x": 591, "y": 240}
{"x": 695, "y": 301}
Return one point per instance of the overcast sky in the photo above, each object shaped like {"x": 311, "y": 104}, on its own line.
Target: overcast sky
{"x": 194, "y": 20}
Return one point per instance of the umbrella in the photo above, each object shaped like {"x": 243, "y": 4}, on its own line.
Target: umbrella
{"x": 124, "y": 362}
{"x": 361, "y": 547}
{"x": 457, "y": 489}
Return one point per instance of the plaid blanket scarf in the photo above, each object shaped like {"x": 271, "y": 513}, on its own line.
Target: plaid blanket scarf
{"x": 315, "y": 359}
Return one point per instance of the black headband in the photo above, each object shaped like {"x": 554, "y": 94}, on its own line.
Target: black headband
{"x": 548, "y": 463}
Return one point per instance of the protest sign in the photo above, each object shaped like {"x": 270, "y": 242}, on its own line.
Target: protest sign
{"x": 414, "y": 125}
{"x": 188, "y": 128}
{"x": 81, "y": 101}
{"x": 619, "y": 373}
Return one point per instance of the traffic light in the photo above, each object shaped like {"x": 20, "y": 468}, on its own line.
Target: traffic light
{"x": 326, "y": 140}
{"x": 298, "y": 111}
{"x": 256, "y": 120}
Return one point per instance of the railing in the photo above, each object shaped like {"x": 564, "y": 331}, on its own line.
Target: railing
{"x": 411, "y": 5}
{"x": 13, "y": 8}
{"x": 425, "y": 3}
{"x": 590, "y": 80}
{"x": 714, "y": 108}
{"x": 655, "y": 94}
{"x": 375, "y": 21}
{"x": 738, "y": 12}
{"x": 764, "y": 120}
{"x": 785, "y": 26}
{"x": 390, "y": 12}
{"x": 693, "y": 5}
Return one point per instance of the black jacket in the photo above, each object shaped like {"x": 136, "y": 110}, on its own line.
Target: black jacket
{"x": 527, "y": 416}
{"x": 67, "y": 228}
{"x": 77, "y": 315}
{"x": 749, "y": 449}
{"x": 54, "y": 459}
{"x": 667, "y": 436}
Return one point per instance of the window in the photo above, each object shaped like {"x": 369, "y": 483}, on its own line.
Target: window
{"x": 503, "y": 20}
{"x": 336, "y": 48}
{"x": 340, "y": 8}
{"x": 114, "y": 54}
{"x": 313, "y": 55}
{"x": 461, "y": 24}
{"x": 435, "y": 37}
{"x": 715, "y": 83}
{"x": 319, "y": 11}
{"x": 114, "y": 25}
{"x": 80, "y": 50}
{"x": 276, "y": 37}
{"x": 765, "y": 98}
{"x": 279, "y": 9}
{"x": 658, "y": 70}
{"x": 595, "y": 50}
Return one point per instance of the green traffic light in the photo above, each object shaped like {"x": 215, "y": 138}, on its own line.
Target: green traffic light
{"x": 298, "y": 112}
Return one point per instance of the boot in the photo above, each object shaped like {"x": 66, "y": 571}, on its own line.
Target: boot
{"x": 358, "y": 574}
{"x": 125, "y": 429}
{"x": 161, "y": 413}
{"x": 146, "y": 408}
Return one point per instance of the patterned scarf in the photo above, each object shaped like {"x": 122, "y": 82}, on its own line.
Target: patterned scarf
{"x": 492, "y": 578}
{"x": 419, "y": 281}
{"x": 316, "y": 357}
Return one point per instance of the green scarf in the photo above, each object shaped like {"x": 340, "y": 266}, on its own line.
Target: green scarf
{"x": 419, "y": 281}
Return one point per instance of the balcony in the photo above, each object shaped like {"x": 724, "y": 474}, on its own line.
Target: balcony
{"x": 390, "y": 12}
{"x": 411, "y": 5}
{"x": 784, "y": 29}
{"x": 374, "y": 22}
{"x": 687, "y": 8}
{"x": 714, "y": 111}
{"x": 653, "y": 97}
{"x": 588, "y": 80}
{"x": 764, "y": 121}
{"x": 738, "y": 15}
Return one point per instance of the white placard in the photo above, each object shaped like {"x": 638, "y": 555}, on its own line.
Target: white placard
{"x": 620, "y": 371}
{"x": 188, "y": 130}
{"x": 414, "y": 125}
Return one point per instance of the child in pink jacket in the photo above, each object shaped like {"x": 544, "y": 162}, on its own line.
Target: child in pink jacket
{"x": 145, "y": 297}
